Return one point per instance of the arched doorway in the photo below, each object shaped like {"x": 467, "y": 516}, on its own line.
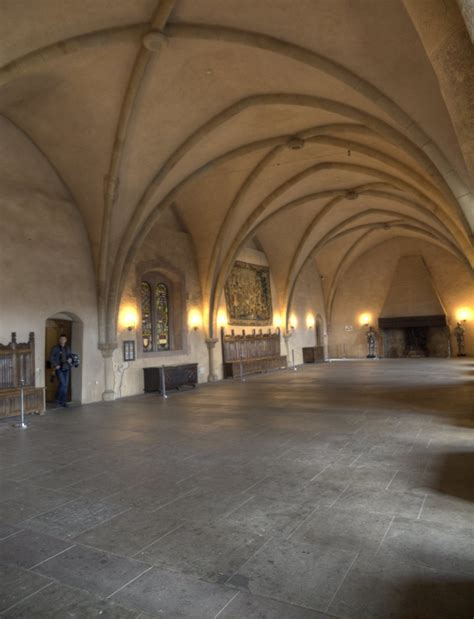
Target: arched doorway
{"x": 72, "y": 327}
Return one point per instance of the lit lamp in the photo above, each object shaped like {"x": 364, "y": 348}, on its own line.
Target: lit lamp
{"x": 195, "y": 319}
{"x": 463, "y": 314}
{"x": 293, "y": 321}
{"x": 365, "y": 319}
{"x": 310, "y": 322}
{"x": 128, "y": 318}
{"x": 277, "y": 321}
{"x": 222, "y": 319}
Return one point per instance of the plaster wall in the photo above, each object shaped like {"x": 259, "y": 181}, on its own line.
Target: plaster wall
{"x": 165, "y": 249}
{"x": 45, "y": 262}
{"x": 365, "y": 286}
{"x": 307, "y": 299}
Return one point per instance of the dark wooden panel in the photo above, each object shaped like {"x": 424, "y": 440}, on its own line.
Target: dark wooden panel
{"x": 17, "y": 363}
{"x": 313, "y": 354}
{"x": 403, "y": 322}
{"x": 176, "y": 376}
{"x": 253, "y": 366}
{"x": 10, "y": 401}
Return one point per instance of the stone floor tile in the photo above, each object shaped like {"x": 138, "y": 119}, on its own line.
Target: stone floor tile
{"x": 129, "y": 532}
{"x": 423, "y": 543}
{"x": 384, "y": 588}
{"x": 345, "y": 529}
{"x": 16, "y": 584}
{"x": 58, "y": 601}
{"x": 93, "y": 570}
{"x": 172, "y": 595}
{"x": 381, "y": 502}
{"x": 247, "y": 606}
{"x": 268, "y": 517}
{"x": 28, "y": 548}
{"x": 7, "y": 529}
{"x": 75, "y": 517}
{"x": 301, "y": 574}
{"x": 212, "y": 552}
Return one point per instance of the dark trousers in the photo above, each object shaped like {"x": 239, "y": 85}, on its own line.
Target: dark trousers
{"x": 61, "y": 394}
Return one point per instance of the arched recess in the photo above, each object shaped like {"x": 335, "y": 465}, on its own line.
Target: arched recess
{"x": 433, "y": 236}
{"x": 162, "y": 271}
{"x": 76, "y": 343}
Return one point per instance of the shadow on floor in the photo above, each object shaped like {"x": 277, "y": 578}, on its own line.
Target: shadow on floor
{"x": 435, "y": 600}
{"x": 454, "y": 475}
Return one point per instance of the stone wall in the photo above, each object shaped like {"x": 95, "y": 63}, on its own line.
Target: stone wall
{"x": 45, "y": 261}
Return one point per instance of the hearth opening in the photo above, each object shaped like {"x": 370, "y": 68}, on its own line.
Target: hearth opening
{"x": 415, "y": 337}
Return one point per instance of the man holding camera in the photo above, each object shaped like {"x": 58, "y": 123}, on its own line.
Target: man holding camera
{"x": 62, "y": 359}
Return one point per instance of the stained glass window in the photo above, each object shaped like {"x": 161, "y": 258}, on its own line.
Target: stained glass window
{"x": 162, "y": 328}
{"x": 147, "y": 333}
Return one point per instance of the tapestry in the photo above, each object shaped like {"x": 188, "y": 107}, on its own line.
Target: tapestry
{"x": 248, "y": 295}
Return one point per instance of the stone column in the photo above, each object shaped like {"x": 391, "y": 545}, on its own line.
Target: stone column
{"x": 107, "y": 351}
{"x": 444, "y": 35}
{"x": 211, "y": 344}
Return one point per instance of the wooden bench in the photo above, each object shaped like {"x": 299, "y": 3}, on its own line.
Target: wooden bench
{"x": 17, "y": 364}
{"x": 251, "y": 353}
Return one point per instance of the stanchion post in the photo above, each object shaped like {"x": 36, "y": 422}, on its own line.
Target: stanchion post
{"x": 163, "y": 382}
{"x": 22, "y": 423}
{"x": 293, "y": 358}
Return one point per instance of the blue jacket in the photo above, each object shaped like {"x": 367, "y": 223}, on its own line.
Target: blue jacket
{"x": 56, "y": 357}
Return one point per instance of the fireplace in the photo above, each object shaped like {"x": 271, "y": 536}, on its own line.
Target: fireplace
{"x": 415, "y": 336}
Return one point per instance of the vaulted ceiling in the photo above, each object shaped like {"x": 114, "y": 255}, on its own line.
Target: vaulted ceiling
{"x": 316, "y": 126}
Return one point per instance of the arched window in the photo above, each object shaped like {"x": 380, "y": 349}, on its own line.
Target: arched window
{"x": 162, "y": 325}
{"x": 155, "y": 309}
{"x": 147, "y": 323}
{"x": 161, "y": 298}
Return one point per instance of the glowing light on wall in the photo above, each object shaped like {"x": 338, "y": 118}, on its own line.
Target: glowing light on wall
{"x": 222, "y": 318}
{"x": 365, "y": 319}
{"x": 464, "y": 313}
{"x": 194, "y": 319}
{"x": 128, "y": 318}
{"x": 310, "y": 321}
{"x": 293, "y": 321}
{"x": 277, "y": 320}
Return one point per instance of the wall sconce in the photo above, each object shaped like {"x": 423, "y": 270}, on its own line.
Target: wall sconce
{"x": 128, "y": 318}
{"x": 310, "y": 322}
{"x": 195, "y": 319}
{"x": 365, "y": 319}
{"x": 222, "y": 319}
{"x": 277, "y": 321}
{"x": 293, "y": 321}
{"x": 463, "y": 314}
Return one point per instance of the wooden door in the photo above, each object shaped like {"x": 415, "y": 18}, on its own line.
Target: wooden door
{"x": 54, "y": 328}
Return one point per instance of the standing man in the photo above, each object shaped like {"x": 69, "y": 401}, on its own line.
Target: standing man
{"x": 61, "y": 359}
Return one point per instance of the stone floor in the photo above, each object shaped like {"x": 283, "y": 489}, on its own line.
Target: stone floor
{"x": 340, "y": 490}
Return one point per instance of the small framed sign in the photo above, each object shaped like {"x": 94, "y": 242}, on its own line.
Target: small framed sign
{"x": 129, "y": 350}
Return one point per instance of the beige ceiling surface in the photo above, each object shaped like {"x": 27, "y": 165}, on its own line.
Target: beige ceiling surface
{"x": 203, "y": 125}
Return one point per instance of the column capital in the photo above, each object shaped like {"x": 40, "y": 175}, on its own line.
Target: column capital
{"x": 107, "y": 348}
{"x": 211, "y": 342}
